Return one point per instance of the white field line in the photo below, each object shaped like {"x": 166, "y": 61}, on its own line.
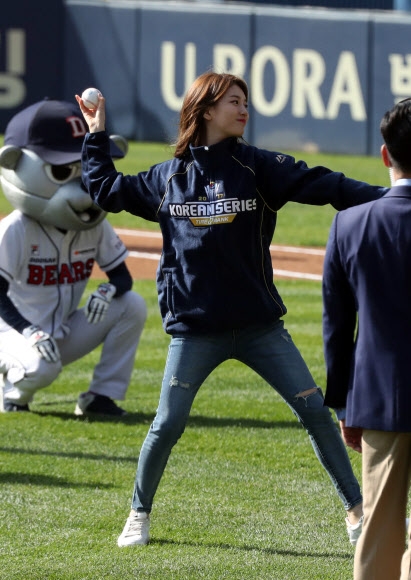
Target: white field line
{"x": 294, "y": 250}
{"x": 144, "y": 255}
{"x": 297, "y": 275}
{"x": 273, "y": 248}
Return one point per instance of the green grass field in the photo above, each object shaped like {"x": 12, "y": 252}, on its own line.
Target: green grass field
{"x": 243, "y": 496}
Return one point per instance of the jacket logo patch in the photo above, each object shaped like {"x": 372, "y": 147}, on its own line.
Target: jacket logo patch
{"x": 215, "y": 189}
{"x": 213, "y": 212}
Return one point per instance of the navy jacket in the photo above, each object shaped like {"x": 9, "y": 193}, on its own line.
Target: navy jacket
{"x": 217, "y": 212}
{"x": 367, "y": 280}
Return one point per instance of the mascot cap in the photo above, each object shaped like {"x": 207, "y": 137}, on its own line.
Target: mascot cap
{"x": 54, "y": 130}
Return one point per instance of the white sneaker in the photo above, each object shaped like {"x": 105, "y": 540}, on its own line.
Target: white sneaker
{"x": 135, "y": 531}
{"x": 354, "y": 530}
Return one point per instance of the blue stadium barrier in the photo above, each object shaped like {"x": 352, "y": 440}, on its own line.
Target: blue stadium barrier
{"x": 319, "y": 79}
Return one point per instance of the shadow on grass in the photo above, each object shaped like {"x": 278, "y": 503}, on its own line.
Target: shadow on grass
{"x": 246, "y": 548}
{"x": 193, "y": 421}
{"x": 142, "y": 418}
{"x": 71, "y": 455}
{"x": 46, "y": 481}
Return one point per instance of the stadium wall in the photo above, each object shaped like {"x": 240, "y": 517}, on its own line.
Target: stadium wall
{"x": 320, "y": 80}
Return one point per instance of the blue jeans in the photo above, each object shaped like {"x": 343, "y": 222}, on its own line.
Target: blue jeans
{"x": 268, "y": 350}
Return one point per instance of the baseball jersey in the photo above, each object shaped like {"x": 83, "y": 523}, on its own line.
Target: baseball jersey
{"x": 48, "y": 269}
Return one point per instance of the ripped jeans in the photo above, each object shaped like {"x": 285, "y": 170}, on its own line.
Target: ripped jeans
{"x": 270, "y": 352}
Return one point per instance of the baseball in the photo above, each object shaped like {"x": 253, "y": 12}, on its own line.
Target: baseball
{"x": 90, "y": 98}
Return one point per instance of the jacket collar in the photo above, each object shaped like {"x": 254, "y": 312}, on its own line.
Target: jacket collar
{"x": 214, "y": 154}
{"x": 402, "y": 190}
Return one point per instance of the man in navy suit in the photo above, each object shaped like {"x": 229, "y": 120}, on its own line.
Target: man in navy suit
{"x": 367, "y": 346}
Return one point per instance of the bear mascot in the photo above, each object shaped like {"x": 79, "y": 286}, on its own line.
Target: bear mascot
{"x": 48, "y": 246}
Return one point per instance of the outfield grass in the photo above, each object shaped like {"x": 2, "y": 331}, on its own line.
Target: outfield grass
{"x": 243, "y": 496}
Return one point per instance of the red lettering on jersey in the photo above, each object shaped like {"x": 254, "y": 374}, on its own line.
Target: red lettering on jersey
{"x": 78, "y": 128}
{"x": 35, "y": 276}
{"x": 89, "y": 267}
{"x": 65, "y": 276}
{"x": 78, "y": 269}
{"x": 50, "y": 275}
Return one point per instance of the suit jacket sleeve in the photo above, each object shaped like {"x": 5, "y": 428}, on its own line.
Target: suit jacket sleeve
{"x": 339, "y": 323}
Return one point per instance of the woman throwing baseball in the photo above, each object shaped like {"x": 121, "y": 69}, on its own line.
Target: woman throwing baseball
{"x": 216, "y": 202}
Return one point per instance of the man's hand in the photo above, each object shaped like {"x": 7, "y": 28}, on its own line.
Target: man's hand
{"x": 45, "y": 344}
{"x": 352, "y": 436}
{"x": 97, "y": 303}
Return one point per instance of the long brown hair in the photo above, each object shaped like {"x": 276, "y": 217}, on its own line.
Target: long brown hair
{"x": 206, "y": 90}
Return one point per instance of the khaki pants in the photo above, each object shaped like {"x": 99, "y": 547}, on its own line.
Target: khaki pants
{"x": 386, "y": 470}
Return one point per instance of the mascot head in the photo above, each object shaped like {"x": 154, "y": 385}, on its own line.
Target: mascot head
{"x": 40, "y": 169}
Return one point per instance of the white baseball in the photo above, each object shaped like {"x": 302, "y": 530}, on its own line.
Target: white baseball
{"x": 90, "y": 98}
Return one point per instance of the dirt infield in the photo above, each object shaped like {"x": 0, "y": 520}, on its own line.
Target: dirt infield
{"x": 145, "y": 250}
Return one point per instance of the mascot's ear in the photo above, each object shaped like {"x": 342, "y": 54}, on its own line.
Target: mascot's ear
{"x": 9, "y": 156}
{"x": 121, "y": 143}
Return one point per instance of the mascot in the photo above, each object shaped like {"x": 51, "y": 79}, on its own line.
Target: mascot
{"x": 48, "y": 246}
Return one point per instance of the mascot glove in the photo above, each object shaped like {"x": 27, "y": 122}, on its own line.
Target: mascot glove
{"x": 97, "y": 303}
{"x": 45, "y": 344}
